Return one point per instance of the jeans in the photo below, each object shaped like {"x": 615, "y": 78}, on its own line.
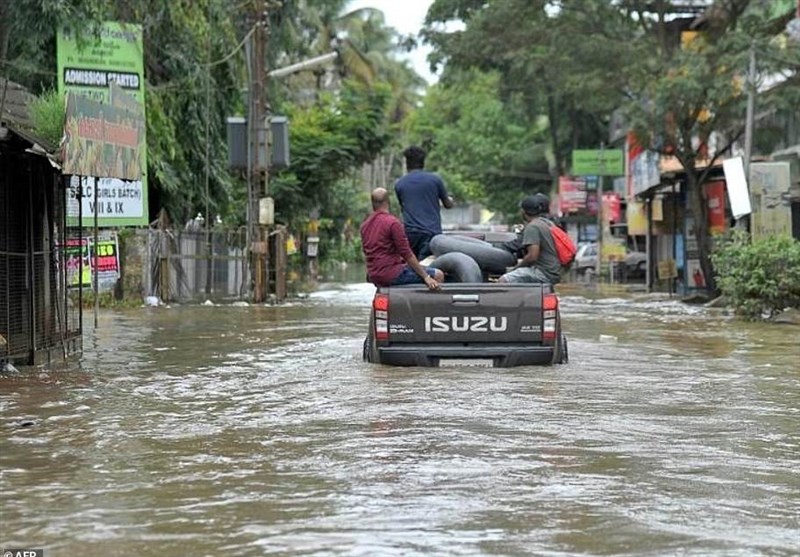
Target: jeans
{"x": 410, "y": 276}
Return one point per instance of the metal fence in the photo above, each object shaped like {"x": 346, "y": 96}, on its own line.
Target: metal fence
{"x": 191, "y": 265}
{"x": 37, "y": 317}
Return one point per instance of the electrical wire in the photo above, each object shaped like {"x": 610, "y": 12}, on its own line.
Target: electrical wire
{"x": 234, "y": 51}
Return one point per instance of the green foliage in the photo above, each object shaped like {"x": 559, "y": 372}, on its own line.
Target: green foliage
{"x": 485, "y": 147}
{"x": 561, "y": 64}
{"x": 47, "y": 112}
{"x": 330, "y": 140}
{"x": 762, "y": 277}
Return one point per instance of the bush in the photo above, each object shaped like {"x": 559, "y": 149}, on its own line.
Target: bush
{"x": 759, "y": 278}
{"x": 48, "y": 113}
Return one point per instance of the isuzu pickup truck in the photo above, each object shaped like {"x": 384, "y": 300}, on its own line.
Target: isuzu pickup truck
{"x": 479, "y": 323}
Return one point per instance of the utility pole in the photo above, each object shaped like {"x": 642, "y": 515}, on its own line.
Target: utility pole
{"x": 258, "y": 159}
{"x": 599, "y": 262}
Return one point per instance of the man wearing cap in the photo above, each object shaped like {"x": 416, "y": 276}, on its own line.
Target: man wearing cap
{"x": 390, "y": 261}
{"x": 419, "y": 193}
{"x": 539, "y": 262}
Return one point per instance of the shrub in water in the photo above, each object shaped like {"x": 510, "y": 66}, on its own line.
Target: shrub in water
{"x": 759, "y": 278}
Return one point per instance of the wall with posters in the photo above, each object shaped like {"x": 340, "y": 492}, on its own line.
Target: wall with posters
{"x": 79, "y": 260}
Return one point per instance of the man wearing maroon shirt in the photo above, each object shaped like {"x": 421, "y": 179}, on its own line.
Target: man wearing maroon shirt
{"x": 390, "y": 261}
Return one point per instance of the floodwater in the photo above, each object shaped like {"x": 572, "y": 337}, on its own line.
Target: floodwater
{"x": 210, "y": 431}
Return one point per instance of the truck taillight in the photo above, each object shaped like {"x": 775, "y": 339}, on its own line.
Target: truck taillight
{"x": 380, "y": 305}
{"x": 549, "y": 317}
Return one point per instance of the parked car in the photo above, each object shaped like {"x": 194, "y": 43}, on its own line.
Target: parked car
{"x": 586, "y": 258}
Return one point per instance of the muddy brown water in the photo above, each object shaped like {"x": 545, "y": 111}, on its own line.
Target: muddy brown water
{"x": 674, "y": 430}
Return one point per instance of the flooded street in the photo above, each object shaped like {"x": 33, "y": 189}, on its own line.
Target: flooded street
{"x": 260, "y": 431}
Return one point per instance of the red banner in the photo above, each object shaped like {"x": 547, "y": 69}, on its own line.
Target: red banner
{"x": 715, "y": 194}
{"x": 572, "y": 194}
{"x": 612, "y": 207}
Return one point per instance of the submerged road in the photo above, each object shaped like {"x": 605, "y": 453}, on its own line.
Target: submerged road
{"x": 674, "y": 430}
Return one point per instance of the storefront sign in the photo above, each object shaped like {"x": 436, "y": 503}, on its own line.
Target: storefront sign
{"x": 599, "y": 162}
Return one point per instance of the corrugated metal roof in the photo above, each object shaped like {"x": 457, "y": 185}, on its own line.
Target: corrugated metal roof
{"x": 14, "y": 100}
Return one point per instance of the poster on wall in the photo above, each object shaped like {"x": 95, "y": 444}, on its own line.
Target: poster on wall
{"x": 79, "y": 261}
{"x": 107, "y": 69}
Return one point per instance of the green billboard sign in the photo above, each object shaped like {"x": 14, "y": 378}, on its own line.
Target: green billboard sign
{"x": 89, "y": 66}
{"x": 597, "y": 162}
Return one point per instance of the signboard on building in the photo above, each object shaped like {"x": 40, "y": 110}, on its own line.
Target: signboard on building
{"x": 770, "y": 184}
{"x": 599, "y": 162}
{"x": 642, "y": 168}
{"x": 738, "y": 192}
{"x": 571, "y": 194}
{"x": 88, "y": 68}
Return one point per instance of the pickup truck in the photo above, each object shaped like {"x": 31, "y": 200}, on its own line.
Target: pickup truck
{"x": 484, "y": 324}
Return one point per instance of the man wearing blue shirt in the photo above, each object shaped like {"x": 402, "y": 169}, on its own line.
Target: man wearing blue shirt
{"x": 419, "y": 193}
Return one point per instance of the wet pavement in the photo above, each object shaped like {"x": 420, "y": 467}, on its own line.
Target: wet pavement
{"x": 674, "y": 430}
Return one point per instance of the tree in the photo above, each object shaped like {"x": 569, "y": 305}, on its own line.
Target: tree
{"x": 329, "y": 140}
{"x": 545, "y": 57}
{"x": 687, "y": 97}
{"x": 483, "y": 145}
{"x": 576, "y": 61}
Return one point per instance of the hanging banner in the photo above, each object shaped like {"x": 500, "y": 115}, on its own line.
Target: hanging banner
{"x": 715, "y": 194}
{"x": 612, "y": 207}
{"x": 738, "y": 191}
{"x": 100, "y": 68}
{"x": 636, "y": 218}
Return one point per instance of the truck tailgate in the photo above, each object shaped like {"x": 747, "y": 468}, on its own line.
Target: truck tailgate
{"x": 470, "y": 314}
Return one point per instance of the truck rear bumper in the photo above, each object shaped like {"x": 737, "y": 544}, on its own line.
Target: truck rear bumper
{"x": 436, "y": 355}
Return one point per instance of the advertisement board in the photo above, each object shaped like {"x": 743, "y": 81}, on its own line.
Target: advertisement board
{"x": 598, "y": 162}
{"x": 88, "y": 67}
{"x": 79, "y": 261}
{"x": 572, "y": 194}
{"x": 102, "y": 139}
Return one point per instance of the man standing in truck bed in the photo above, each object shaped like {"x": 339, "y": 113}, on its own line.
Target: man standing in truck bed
{"x": 390, "y": 261}
{"x": 419, "y": 193}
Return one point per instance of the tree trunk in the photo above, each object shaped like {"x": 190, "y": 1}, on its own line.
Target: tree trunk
{"x": 552, "y": 116}
{"x": 698, "y": 204}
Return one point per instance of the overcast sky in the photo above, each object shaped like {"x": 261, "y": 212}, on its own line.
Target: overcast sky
{"x": 406, "y": 16}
